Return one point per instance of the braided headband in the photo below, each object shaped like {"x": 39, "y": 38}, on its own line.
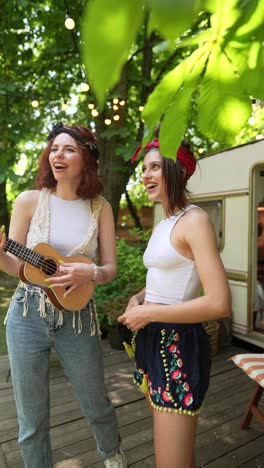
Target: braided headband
{"x": 58, "y": 128}
{"x": 186, "y": 157}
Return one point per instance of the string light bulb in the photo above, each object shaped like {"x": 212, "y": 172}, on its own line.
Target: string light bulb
{"x": 91, "y": 105}
{"x": 141, "y": 108}
{"x": 115, "y": 107}
{"x": 122, "y": 103}
{"x": 115, "y": 101}
{"x": 116, "y": 117}
{"x": 69, "y": 22}
{"x": 35, "y": 103}
{"x": 107, "y": 121}
{"x": 64, "y": 106}
{"x": 84, "y": 87}
{"x": 94, "y": 113}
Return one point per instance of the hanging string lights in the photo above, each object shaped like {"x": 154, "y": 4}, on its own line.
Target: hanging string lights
{"x": 65, "y": 105}
{"x": 94, "y": 113}
{"x": 34, "y": 103}
{"x": 69, "y": 21}
{"x": 84, "y": 86}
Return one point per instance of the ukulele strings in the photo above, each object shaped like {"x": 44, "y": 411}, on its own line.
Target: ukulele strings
{"x": 32, "y": 257}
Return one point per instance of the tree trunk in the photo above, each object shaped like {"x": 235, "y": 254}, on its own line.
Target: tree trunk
{"x": 133, "y": 211}
{"x": 4, "y": 216}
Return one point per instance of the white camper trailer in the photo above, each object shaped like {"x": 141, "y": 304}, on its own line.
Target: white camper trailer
{"x": 229, "y": 185}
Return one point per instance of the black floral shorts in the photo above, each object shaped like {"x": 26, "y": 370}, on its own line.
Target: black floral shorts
{"x": 173, "y": 365}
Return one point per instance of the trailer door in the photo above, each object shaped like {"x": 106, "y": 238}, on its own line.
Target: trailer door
{"x": 257, "y": 293}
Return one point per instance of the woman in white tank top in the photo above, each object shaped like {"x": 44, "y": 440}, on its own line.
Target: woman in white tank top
{"x": 172, "y": 351}
{"x": 68, "y": 213}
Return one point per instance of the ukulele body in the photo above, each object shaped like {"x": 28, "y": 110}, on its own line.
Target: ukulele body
{"x": 36, "y": 276}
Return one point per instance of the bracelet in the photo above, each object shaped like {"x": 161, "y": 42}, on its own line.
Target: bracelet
{"x": 95, "y": 272}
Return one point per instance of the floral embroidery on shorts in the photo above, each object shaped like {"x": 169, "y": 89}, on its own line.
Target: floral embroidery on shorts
{"x": 173, "y": 365}
{"x": 177, "y": 391}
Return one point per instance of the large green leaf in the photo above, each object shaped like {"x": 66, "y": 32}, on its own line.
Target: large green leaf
{"x": 174, "y": 124}
{"x": 223, "y": 106}
{"x": 165, "y": 92}
{"x": 176, "y": 118}
{"x": 172, "y": 17}
{"x": 208, "y": 5}
{"x": 255, "y": 11}
{"x": 252, "y": 78}
{"x": 252, "y": 81}
{"x": 108, "y": 30}
{"x": 226, "y": 14}
{"x": 248, "y": 61}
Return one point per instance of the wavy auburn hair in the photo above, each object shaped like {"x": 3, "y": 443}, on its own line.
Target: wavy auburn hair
{"x": 90, "y": 185}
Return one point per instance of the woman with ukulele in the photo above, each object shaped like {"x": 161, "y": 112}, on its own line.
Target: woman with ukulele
{"x": 68, "y": 213}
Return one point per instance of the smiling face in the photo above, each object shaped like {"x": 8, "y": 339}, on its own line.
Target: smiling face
{"x": 65, "y": 159}
{"x": 153, "y": 177}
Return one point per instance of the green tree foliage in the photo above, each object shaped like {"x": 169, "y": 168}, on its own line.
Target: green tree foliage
{"x": 217, "y": 76}
{"x": 40, "y": 58}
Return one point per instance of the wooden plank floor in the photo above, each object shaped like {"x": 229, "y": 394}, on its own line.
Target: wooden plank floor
{"x": 220, "y": 442}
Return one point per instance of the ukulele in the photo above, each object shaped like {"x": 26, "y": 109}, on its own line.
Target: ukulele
{"x": 41, "y": 263}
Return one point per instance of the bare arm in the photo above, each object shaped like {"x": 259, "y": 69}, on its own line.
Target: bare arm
{"x": 215, "y": 303}
{"x": 24, "y": 207}
{"x": 107, "y": 246}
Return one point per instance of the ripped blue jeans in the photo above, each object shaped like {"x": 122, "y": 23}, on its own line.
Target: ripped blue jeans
{"x": 33, "y": 327}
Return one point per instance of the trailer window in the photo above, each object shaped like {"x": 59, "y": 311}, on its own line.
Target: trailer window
{"x": 214, "y": 208}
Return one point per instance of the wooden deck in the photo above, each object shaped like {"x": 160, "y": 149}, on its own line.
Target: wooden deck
{"x": 220, "y": 442}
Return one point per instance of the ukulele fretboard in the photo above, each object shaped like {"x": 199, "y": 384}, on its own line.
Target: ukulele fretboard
{"x": 23, "y": 252}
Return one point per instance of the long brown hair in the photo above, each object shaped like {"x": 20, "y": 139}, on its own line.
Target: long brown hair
{"x": 90, "y": 185}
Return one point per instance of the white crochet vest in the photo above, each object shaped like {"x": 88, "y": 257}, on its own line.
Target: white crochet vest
{"x": 40, "y": 225}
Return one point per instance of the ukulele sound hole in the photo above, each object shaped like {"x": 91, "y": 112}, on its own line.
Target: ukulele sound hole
{"x": 49, "y": 267}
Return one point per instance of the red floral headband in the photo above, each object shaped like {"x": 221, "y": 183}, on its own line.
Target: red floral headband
{"x": 186, "y": 157}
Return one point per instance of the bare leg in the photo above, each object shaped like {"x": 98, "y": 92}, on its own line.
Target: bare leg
{"x": 174, "y": 436}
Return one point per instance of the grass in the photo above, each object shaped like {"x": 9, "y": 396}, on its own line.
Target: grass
{"x": 7, "y": 287}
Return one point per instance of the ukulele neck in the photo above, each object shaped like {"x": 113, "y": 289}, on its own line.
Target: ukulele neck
{"x": 23, "y": 252}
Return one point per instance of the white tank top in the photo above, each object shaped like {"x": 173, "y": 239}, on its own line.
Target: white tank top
{"x": 171, "y": 277}
{"x": 69, "y": 222}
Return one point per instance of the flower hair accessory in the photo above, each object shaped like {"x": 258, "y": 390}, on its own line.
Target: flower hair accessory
{"x": 186, "y": 157}
{"x": 58, "y": 128}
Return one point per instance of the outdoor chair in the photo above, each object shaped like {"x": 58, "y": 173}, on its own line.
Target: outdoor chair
{"x": 253, "y": 366}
